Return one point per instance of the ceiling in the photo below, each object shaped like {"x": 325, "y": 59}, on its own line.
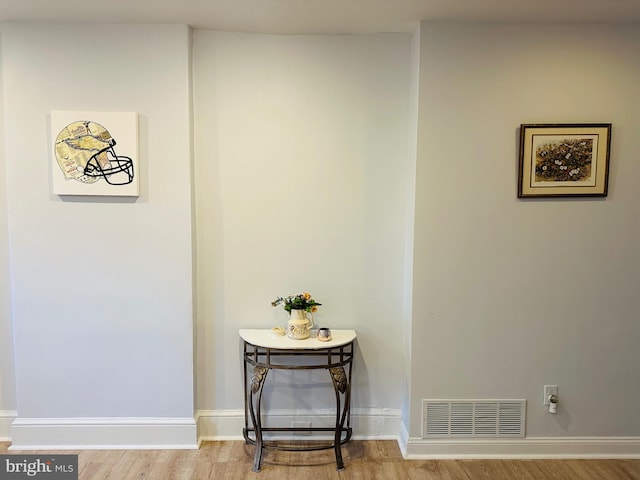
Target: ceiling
{"x": 318, "y": 16}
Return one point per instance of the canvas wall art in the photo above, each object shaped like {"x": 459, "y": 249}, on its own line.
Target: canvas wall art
{"x": 94, "y": 153}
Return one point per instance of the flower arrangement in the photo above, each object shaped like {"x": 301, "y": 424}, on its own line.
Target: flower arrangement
{"x": 301, "y": 301}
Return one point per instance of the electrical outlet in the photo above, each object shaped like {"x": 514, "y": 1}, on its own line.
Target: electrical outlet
{"x": 548, "y": 391}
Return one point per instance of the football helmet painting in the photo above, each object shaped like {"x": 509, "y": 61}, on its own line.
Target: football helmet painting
{"x": 85, "y": 152}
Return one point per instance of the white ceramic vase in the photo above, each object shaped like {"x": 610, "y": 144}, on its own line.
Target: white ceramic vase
{"x": 299, "y": 325}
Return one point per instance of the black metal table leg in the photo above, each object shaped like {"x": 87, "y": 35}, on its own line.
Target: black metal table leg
{"x": 340, "y": 387}
{"x": 257, "y": 383}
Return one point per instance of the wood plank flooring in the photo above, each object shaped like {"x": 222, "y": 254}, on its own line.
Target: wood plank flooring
{"x": 364, "y": 460}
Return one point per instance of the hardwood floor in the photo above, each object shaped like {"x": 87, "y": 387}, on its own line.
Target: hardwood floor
{"x": 364, "y": 460}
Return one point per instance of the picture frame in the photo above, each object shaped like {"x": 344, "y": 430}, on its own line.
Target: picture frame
{"x": 564, "y": 160}
{"x": 94, "y": 153}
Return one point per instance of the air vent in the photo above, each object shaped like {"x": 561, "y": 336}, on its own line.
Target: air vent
{"x": 473, "y": 418}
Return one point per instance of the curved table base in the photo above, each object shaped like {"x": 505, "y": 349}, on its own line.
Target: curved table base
{"x": 262, "y": 360}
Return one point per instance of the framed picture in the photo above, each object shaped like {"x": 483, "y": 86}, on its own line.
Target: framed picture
{"x": 94, "y": 153}
{"x": 564, "y": 160}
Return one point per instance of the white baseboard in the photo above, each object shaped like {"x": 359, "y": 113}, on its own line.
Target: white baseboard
{"x": 103, "y": 433}
{"x": 6, "y": 419}
{"x": 367, "y": 423}
{"x": 403, "y": 439}
{"x": 532, "y": 447}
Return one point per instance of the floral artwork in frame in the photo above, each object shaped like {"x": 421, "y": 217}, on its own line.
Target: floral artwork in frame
{"x": 564, "y": 160}
{"x": 94, "y": 153}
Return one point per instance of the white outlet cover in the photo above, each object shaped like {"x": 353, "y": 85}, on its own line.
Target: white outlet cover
{"x": 548, "y": 391}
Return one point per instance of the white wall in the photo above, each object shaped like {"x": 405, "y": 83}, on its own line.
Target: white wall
{"x": 102, "y": 288}
{"x": 410, "y": 199}
{"x": 512, "y": 294}
{"x": 303, "y": 163}
{"x": 7, "y": 381}
{"x": 301, "y": 166}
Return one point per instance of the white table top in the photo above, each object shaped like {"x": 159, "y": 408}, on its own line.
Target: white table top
{"x": 264, "y": 338}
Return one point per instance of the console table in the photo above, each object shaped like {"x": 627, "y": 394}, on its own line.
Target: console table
{"x": 263, "y": 352}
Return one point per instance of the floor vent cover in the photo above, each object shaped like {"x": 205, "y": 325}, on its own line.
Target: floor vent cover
{"x": 473, "y": 418}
